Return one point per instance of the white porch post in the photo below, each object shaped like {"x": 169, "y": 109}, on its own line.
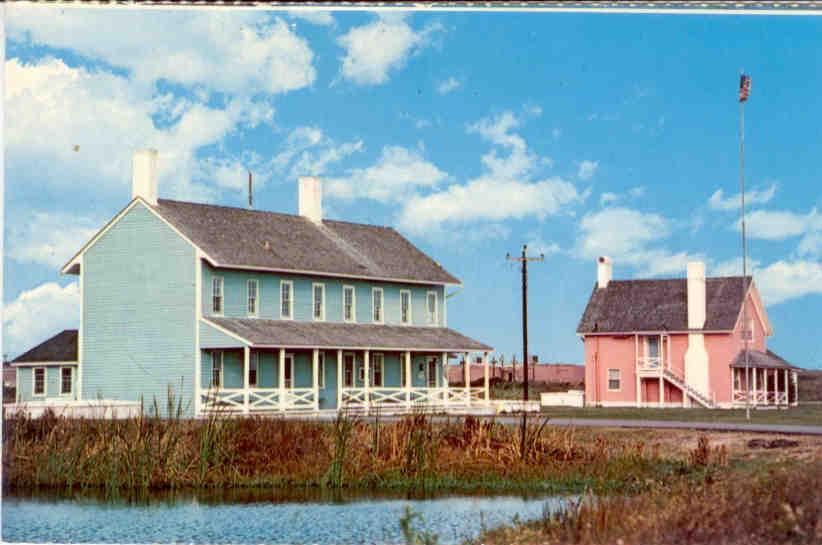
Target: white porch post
{"x": 795, "y": 377}
{"x": 281, "y": 378}
{"x": 340, "y": 379}
{"x": 367, "y": 376}
{"x": 767, "y": 395}
{"x": 755, "y": 397}
{"x": 636, "y": 372}
{"x": 445, "y": 393}
{"x": 787, "y": 385}
{"x": 315, "y": 376}
{"x": 408, "y": 378}
{"x": 486, "y": 379}
{"x": 467, "y": 372}
{"x": 246, "y": 379}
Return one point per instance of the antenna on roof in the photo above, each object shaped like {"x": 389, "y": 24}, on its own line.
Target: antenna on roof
{"x": 250, "y": 192}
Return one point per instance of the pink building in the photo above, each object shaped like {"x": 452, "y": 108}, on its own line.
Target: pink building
{"x": 679, "y": 342}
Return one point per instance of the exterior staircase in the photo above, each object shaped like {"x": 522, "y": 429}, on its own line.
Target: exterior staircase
{"x": 688, "y": 390}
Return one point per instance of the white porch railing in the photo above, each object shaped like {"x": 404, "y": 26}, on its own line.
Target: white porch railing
{"x": 412, "y": 397}
{"x": 760, "y": 397}
{"x": 649, "y": 363}
{"x": 240, "y": 400}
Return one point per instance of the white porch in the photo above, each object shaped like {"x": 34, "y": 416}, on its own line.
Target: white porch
{"x": 777, "y": 387}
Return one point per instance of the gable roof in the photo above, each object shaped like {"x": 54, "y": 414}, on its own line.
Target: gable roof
{"x": 660, "y": 305}
{"x": 60, "y": 348}
{"x": 291, "y": 334}
{"x": 241, "y": 238}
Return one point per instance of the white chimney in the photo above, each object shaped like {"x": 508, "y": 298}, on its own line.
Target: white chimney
{"x": 144, "y": 175}
{"x": 605, "y": 270}
{"x": 696, "y": 295}
{"x": 311, "y": 198}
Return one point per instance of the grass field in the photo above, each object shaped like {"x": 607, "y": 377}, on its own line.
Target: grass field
{"x": 803, "y": 414}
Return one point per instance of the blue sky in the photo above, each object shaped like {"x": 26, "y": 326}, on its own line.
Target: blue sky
{"x": 472, "y": 133}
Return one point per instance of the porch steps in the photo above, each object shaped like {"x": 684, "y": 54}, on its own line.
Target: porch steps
{"x": 688, "y": 390}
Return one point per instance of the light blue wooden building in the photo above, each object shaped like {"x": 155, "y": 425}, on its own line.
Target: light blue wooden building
{"x": 248, "y": 311}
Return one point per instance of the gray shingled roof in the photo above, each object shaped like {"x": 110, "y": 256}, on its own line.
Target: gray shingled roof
{"x": 61, "y": 347}
{"x": 256, "y": 238}
{"x": 660, "y": 305}
{"x": 759, "y": 359}
{"x": 340, "y": 335}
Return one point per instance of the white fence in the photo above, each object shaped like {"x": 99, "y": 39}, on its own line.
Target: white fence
{"x": 240, "y": 400}
{"x": 571, "y": 398}
{"x": 412, "y": 397}
{"x": 94, "y": 409}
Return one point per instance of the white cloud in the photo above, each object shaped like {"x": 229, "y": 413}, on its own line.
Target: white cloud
{"x": 39, "y": 313}
{"x": 587, "y": 169}
{"x": 556, "y": 132}
{"x": 373, "y": 50}
{"x": 48, "y": 239}
{"x": 315, "y": 17}
{"x": 238, "y": 52}
{"x": 632, "y": 238}
{"x": 757, "y": 196}
{"x": 393, "y": 178}
{"x": 76, "y": 129}
{"x": 498, "y": 130}
{"x": 607, "y": 198}
{"x": 636, "y": 192}
{"x": 778, "y": 225}
{"x": 449, "y": 85}
{"x": 785, "y": 280}
{"x": 539, "y": 246}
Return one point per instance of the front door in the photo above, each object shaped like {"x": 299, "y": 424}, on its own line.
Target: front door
{"x": 348, "y": 370}
{"x": 431, "y": 372}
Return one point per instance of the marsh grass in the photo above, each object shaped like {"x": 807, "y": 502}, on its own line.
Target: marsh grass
{"x": 152, "y": 452}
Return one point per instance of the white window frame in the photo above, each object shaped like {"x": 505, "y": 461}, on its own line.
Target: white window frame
{"x": 314, "y": 287}
{"x": 382, "y": 305}
{"x": 214, "y": 354}
{"x": 409, "y": 319}
{"x": 353, "y": 317}
{"x": 255, "y": 298}
{"x": 71, "y": 381}
{"x": 377, "y": 356}
{"x": 254, "y": 362}
{"x": 618, "y": 379}
{"x": 321, "y": 370}
{"x": 289, "y": 366}
{"x": 290, "y": 315}
{"x": 435, "y": 319}
{"x": 34, "y": 391}
{"x": 215, "y": 281}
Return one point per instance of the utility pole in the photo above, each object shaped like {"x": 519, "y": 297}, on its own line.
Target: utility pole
{"x": 523, "y": 260}
{"x": 250, "y": 192}
{"x": 744, "y": 92}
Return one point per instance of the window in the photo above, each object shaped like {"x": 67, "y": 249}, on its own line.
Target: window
{"x": 217, "y": 295}
{"x": 349, "y": 304}
{"x": 652, "y": 346}
{"x": 376, "y": 305}
{"x": 286, "y": 300}
{"x": 348, "y": 371}
{"x": 321, "y": 370}
{"x": 253, "y": 296}
{"x": 377, "y": 368}
{"x": 319, "y": 301}
{"x": 253, "y": 364}
{"x": 289, "y": 370}
{"x": 361, "y": 373}
{"x": 431, "y": 303}
{"x": 216, "y": 368}
{"x": 431, "y": 372}
{"x": 405, "y": 306}
{"x": 748, "y": 334}
{"x": 613, "y": 379}
{"x": 39, "y": 388}
{"x": 65, "y": 380}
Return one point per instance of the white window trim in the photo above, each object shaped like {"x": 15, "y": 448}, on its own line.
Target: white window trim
{"x": 71, "y": 381}
{"x": 34, "y": 382}
{"x": 290, "y": 315}
{"x": 321, "y": 370}
{"x": 372, "y": 361}
{"x": 435, "y": 320}
{"x": 221, "y": 312}
{"x": 214, "y": 354}
{"x": 410, "y": 315}
{"x": 314, "y": 286}
{"x": 619, "y": 378}
{"x": 353, "y": 318}
{"x": 382, "y": 305}
{"x": 256, "y": 297}
{"x": 289, "y": 364}
{"x": 254, "y": 357}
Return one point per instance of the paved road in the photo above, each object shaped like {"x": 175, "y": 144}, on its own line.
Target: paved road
{"x": 791, "y": 429}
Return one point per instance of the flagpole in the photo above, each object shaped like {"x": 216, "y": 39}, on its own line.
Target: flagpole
{"x": 744, "y": 256}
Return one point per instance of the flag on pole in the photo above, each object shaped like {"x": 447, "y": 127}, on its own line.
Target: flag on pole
{"x": 744, "y": 87}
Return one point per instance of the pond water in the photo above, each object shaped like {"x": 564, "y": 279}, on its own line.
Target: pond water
{"x": 258, "y": 516}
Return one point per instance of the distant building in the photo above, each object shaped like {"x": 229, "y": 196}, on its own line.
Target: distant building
{"x": 679, "y": 342}
{"x": 537, "y": 372}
